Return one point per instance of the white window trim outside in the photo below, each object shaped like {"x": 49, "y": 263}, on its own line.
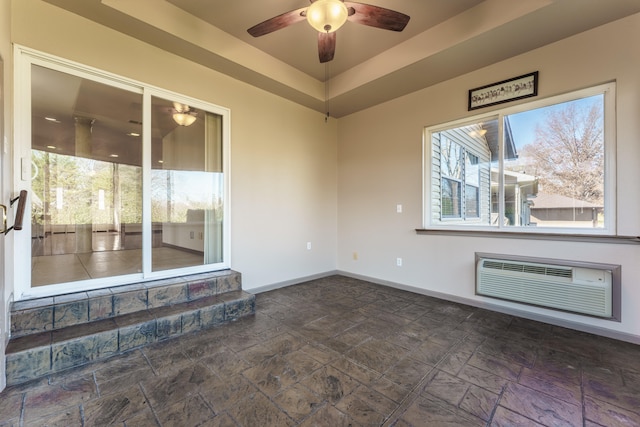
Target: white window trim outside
{"x": 610, "y": 189}
{"x": 21, "y": 274}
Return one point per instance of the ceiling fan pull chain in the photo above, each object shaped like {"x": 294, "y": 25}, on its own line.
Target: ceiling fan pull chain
{"x": 326, "y": 91}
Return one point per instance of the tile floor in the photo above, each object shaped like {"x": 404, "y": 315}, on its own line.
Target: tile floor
{"x": 343, "y": 352}
{"x": 107, "y": 259}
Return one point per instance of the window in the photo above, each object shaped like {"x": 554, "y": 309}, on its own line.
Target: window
{"x": 128, "y": 182}
{"x": 544, "y": 166}
{"x": 460, "y": 181}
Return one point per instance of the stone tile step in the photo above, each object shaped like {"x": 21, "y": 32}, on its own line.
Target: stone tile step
{"x": 46, "y": 314}
{"x": 37, "y": 355}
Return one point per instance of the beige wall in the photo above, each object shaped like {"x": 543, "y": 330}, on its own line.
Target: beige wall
{"x": 283, "y": 156}
{"x": 380, "y": 166}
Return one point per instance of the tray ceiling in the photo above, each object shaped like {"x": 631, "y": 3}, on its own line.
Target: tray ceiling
{"x": 444, "y": 39}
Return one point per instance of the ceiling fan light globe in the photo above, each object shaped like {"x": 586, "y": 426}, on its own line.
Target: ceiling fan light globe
{"x": 327, "y": 16}
{"x": 184, "y": 119}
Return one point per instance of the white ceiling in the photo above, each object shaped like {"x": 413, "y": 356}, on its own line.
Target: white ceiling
{"x": 444, "y": 39}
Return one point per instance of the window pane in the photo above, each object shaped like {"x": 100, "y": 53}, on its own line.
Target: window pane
{"x": 86, "y": 178}
{"x": 186, "y": 186}
{"x": 471, "y": 195}
{"x": 471, "y": 170}
{"x": 451, "y": 159}
{"x": 557, "y": 177}
{"x": 450, "y": 198}
{"x": 462, "y": 174}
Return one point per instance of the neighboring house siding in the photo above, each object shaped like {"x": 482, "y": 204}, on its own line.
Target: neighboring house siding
{"x": 436, "y": 182}
{"x": 473, "y": 145}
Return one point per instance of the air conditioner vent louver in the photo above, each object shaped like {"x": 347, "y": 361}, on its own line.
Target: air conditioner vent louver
{"x": 493, "y": 264}
{"x": 560, "y": 272}
{"x": 512, "y": 267}
{"x": 535, "y": 269}
{"x": 565, "y": 287}
{"x": 566, "y": 272}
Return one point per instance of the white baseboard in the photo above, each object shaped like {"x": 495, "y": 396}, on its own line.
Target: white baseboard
{"x": 271, "y": 287}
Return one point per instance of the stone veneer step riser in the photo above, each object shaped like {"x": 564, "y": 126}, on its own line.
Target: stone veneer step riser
{"x": 89, "y": 326}
{"x": 45, "y": 314}
{"x": 51, "y": 352}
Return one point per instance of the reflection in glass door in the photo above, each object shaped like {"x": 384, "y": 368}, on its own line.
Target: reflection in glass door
{"x": 86, "y": 158}
{"x": 187, "y": 186}
{"x": 126, "y": 185}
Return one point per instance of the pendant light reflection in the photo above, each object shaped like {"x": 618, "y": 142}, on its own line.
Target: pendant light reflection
{"x": 477, "y": 133}
{"x": 183, "y": 114}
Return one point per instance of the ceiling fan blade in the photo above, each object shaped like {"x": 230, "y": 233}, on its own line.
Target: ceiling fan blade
{"x": 278, "y": 22}
{"x": 326, "y": 46}
{"x": 376, "y": 16}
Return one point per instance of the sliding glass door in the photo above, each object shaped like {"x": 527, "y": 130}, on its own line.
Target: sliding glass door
{"x": 86, "y": 183}
{"x": 126, "y": 182}
{"x": 187, "y": 185}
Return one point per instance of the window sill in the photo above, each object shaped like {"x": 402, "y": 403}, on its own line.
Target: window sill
{"x": 591, "y": 238}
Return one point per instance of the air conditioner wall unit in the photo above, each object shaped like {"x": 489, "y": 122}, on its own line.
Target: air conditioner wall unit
{"x": 591, "y": 289}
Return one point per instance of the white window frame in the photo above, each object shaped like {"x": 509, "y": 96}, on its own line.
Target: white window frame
{"x": 609, "y": 133}
{"x": 467, "y": 154}
{"x": 24, "y": 59}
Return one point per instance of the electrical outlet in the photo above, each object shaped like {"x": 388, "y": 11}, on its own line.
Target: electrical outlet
{"x": 355, "y": 256}
{"x": 399, "y": 262}
{"x": 308, "y": 246}
{"x": 399, "y": 208}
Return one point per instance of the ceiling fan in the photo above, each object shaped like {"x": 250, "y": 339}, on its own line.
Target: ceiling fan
{"x": 327, "y": 16}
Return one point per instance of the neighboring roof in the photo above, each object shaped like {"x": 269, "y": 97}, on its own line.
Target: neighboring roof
{"x": 556, "y": 201}
{"x": 511, "y": 153}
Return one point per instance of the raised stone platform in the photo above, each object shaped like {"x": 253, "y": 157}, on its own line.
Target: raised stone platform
{"x": 56, "y": 333}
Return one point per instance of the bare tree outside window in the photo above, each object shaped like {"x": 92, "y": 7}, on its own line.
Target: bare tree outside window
{"x": 451, "y": 164}
{"x": 567, "y": 154}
